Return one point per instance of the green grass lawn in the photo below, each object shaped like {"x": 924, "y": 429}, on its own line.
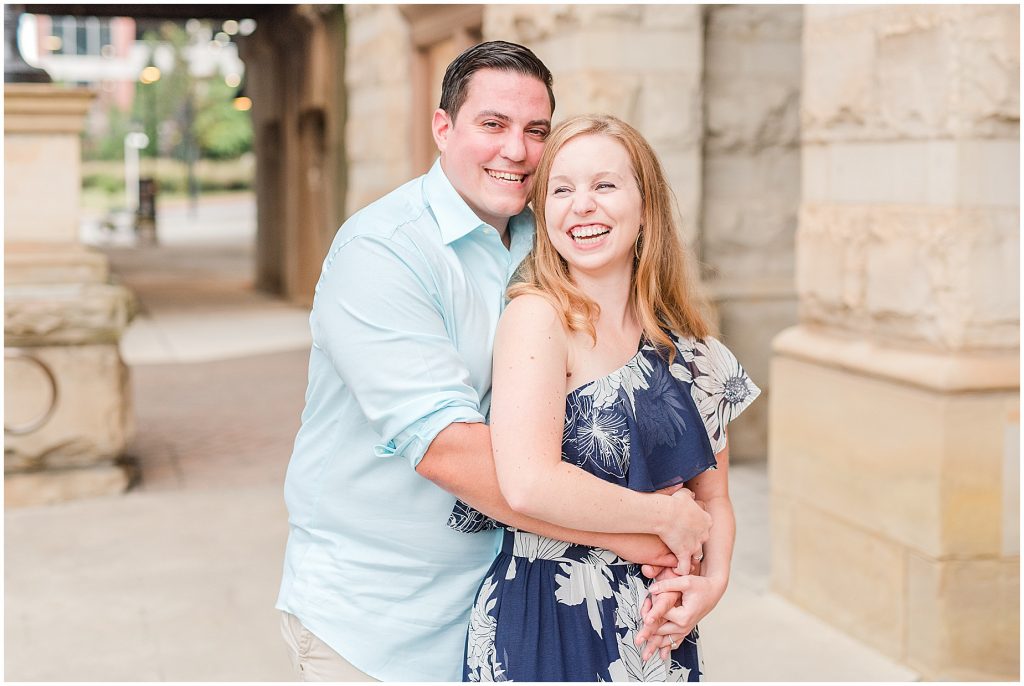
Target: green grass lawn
{"x": 103, "y": 180}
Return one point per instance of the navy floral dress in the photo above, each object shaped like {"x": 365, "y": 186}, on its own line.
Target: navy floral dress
{"x": 548, "y": 610}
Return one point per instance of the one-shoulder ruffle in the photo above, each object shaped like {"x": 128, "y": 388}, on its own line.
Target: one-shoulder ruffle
{"x": 649, "y": 425}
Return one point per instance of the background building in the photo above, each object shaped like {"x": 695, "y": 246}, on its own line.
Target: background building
{"x": 847, "y": 177}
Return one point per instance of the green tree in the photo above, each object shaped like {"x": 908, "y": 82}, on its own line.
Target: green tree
{"x": 223, "y": 132}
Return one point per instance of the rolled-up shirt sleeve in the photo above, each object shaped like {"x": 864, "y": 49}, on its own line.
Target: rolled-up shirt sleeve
{"x": 378, "y": 318}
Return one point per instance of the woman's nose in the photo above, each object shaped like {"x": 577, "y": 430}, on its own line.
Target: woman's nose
{"x": 583, "y": 203}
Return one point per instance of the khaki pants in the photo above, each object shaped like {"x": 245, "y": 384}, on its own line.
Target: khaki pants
{"x": 313, "y": 659}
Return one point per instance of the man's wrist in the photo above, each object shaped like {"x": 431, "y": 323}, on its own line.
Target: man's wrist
{"x": 719, "y": 583}
{"x": 664, "y": 512}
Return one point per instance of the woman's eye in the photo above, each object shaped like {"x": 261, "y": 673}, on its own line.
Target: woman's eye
{"x": 560, "y": 190}
{"x": 602, "y": 186}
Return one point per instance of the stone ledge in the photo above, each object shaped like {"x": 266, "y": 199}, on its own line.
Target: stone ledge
{"x": 65, "y": 314}
{"x": 45, "y": 108}
{"x": 50, "y": 263}
{"x": 931, "y": 370}
{"x": 57, "y": 486}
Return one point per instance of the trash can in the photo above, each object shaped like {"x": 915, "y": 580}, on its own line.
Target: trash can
{"x": 145, "y": 217}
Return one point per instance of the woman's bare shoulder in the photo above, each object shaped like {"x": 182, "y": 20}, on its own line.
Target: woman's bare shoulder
{"x": 532, "y": 314}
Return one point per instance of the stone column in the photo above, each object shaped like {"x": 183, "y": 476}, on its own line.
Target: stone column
{"x": 66, "y": 416}
{"x": 894, "y": 417}
{"x": 751, "y": 184}
{"x": 642, "y": 63}
{"x": 378, "y": 82}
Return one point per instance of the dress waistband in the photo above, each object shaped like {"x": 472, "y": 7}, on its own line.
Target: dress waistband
{"x": 536, "y": 547}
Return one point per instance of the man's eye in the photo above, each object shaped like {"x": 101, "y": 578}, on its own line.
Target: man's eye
{"x": 491, "y": 124}
{"x": 539, "y": 133}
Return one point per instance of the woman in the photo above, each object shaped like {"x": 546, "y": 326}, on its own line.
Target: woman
{"x": 604, "y": 363}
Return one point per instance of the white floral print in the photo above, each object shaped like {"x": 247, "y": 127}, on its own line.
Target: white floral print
{"x": 585, "y": 583}
{"x": 481, "y": 654}
{"x": 721, "y": 387}
{"x": 668, "y": 419}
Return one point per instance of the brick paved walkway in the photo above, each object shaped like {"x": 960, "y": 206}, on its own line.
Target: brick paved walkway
{"x": 225, "y": 424}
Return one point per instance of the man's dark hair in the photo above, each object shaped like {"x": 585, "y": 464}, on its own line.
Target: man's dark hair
{"x": 496, "y": 54}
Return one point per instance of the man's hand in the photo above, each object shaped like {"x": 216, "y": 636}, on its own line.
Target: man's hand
{"x": 686, "y": 529}
{"x": 643, "y": 549}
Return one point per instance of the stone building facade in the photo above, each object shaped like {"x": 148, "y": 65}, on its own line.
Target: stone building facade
{"x": 847, "y": 180}
{"x": 714, "y": 89}
{"x": 894, "y": 432}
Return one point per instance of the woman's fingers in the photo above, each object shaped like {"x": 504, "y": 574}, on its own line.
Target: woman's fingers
{"x": 680, "y": 584}
{"x": 670, "y": 629}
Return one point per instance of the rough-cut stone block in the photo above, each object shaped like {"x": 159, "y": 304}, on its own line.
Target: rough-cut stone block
{"x": 590, "y": 91}
{"x": 898, "y": 282}
{"x": 989, "y": 71}
{"x": 670, "y": 111}
{"x": 851, "y": 578}
{"x": 920, "y": 72}
{"x": 625, "y": 51}
{"x": 606, "y": 16}
{"x": 92, "y": 417}
{"x": 529, "y": 25}
{"x": 820, "y": 264}
{"x": 682, "y": 170}
{"x": 742, "y": 115}
{"x": 65, "y": 313}
{"x": 928, "y": 473}
{"x": 912, "y": 68}
{"x": 681, "y": 17}
{"x": 963, "y": 259}
{"x": 756, "y": 23}
{"x": 837, "y": 97}
{"x": 56, "y": 486}
{"x": 963, "y": 618}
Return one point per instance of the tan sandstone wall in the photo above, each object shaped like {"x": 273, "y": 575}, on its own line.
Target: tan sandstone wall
{"x": 378, "y": 133}
{"x": 642, "y": 63}
{"x": 894, "y": 458}
{"x": 751, "y": 188}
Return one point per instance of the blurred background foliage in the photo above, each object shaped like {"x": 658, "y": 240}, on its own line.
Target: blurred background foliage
{"x": 184, "y": 116}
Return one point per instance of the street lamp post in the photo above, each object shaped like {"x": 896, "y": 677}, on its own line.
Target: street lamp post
{"x": 133, "y": 143}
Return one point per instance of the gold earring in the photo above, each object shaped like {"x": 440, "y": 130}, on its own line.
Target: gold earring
{"x": 636, "y": 245}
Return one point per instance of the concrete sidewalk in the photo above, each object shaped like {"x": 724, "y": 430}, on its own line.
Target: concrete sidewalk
{"x": 176, "y": 580}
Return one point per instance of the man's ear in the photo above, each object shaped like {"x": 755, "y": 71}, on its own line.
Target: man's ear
{"x": 441, "y": 126}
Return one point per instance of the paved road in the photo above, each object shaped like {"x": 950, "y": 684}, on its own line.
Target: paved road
{"x": 175, "y": 581}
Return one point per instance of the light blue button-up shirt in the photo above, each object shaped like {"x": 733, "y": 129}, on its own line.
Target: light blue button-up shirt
{"x": 403, "y": 325}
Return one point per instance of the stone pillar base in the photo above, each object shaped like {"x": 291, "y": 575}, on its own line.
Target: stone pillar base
{"x": 28, "y": 489}
{"x": 895, "y": 499}
{"x": 67, "y": 414}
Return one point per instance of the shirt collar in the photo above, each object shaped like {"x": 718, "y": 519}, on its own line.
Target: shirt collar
{"x": 454, "y": 217}
{"x": 521, "y": 229}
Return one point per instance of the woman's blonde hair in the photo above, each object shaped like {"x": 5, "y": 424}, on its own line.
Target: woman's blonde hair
{"x": 662, "y": 293}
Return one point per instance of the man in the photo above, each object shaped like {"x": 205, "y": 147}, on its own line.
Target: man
{"x": 393, "y": 430}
